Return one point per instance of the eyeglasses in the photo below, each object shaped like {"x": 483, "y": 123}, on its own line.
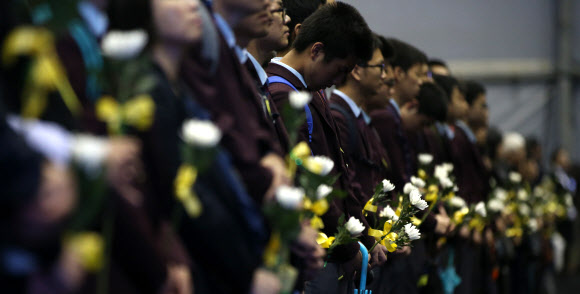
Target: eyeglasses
{"x": 283, "y": 10}
{"x": 381, "y": 66}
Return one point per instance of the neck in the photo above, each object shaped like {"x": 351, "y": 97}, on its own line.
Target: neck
{"x": 397, "y": 97}
{"x": 168, "y": 57}
{"x": 353, "y": 93}
{"x": 261, "y": 55}
{"x": 241, "y": 39}
{"x": 295, "y": 60}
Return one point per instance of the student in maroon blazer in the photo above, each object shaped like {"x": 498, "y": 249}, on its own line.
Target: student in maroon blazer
{"x": 229, "y": 94}
{"x": 329, "y": 43}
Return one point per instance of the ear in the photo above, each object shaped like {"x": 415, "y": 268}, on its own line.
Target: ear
{"x": 297, "y": 29}
{"x": 399, "y": 73}
{"x": 317, "y": 50}
{"x": 356, "y": 73}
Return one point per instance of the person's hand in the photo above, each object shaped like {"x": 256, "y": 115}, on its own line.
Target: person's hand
{"x": 378, "y": 256}
{"x": 443, "y": 224}
{"x": 406, "y": 250}
{"x": 464, "y": 232}
{"x": 178, "y": 280}
{"x": 477, "y": 237}
{"x": 489, "y": 239}
{"x": 280, "y": 176}
{"x": 265, "y": 282}
{"x": 124, "y": 167}
{"x": 308, "y": 249}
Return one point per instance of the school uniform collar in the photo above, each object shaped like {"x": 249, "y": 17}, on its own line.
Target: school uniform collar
{"x": 259, "y": 70}
{"x": 356, "y": 110}
{"x": 396, "y": 106}
{"x": 292, "y": 70}
{"x": 467, "y": 130}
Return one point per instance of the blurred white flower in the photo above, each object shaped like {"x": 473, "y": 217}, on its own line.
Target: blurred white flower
{"x": 322, "y": 191}
{"x": 425, "y": 158}
{"x": 299, "y": 99}
{"x": 441, "y": 172}
{"x": 457, "y": 202}
{"x": 417, "y": 182}
{"x": 124, "y": 44}
{"x": 408, "y": 188}
{"x": 480, "y": 209}
{"x": 448, "y": 166}
{"x": 200, "y": 133}
{"x": 515, "y": 177}
{"x": 501, "y": 194}
{"x": 568, "y": 200}
{"x": 524, "y": 209}
{"x": 533, "y": 225}
{"x": 389, "y": 213}
{"x": 522, "y": 195}
{"x": 289, "y": 197}
{"x": 388, "y": 186}
{"x": 412, "y": 232}
{"x": 354, "y": 226}
{"x": 446, "y": 183}
{"x": 495, "y": 205}
{"x": 320, "y": 165}
{"x": 416, "y": 200}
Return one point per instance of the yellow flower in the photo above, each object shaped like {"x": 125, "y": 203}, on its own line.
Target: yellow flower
{"x": 272, "y": 250}
{"x": 89, "y": 248}
{"x": 324, "y": 241}
{"x": 460, "y": 214}
{"x": 370, "y": 207}
{"x": 320, "y": 207}
{"x": 184, "y": 181}
{"x": 422, "y": 174}
{"x": 316, "y": 223}
{"x": 301, "y": 151}
{"x": 139, "y": 112}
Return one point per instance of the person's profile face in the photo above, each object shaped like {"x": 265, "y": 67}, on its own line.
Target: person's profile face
{"x": 246, "y": 7}
{"x": 177, "y": 21}
{"x": 323, "y": 74}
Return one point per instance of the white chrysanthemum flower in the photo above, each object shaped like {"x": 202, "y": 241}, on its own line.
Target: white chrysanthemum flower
{"x": 417, "y": 182}
{"x": 533, "y": 225}
{"x": 354, "y": 226}
{"x": 425, "y": 158}
{"x": 388, "y": 186}
{"x": 455, "y": 188}
{"x": 441, "y": 172}
{"x": 515, "y": 177}
{"x": 495, "y": 205}
{"x": 408, "y": 188}
{"x": 200, "y": 133}
{"x": 289, "y": 197}
{"x": 389, "y": 213}
{"x": 416, "y": 200}
{"x": 320, "y": 165}
{"x": 522, "y": 195}
{"x": 299, "y": 99}
{"x": 501, "y": 194}
{"x": 448, "y": 166}
{"x": 446, "y": 183}
{"x": 322, "y": 191}
{"x": 457, "y": 202}
{"x": 412, "y": 232}
{"x": 124, "y": 44}
{"x": 480, "y": 209}
{"x": 524, "y": 209}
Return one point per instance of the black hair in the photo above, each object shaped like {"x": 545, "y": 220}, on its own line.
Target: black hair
{"x": 128, "y": 15}
{"x": 437, "y": 62}
{"x": 531, "y": 144}
{"x": 447, "y": 83}
{"x": 556, "y": 153}
{"x": 342, "y": 30}
{"x": 406, "y": 55}
{"x": 492, "y": 141}
{"x": 387, "y": 49}
{"x": 432, "y": 101}
{"x": 472, "y": 90}
{"x": 299, "y": 10}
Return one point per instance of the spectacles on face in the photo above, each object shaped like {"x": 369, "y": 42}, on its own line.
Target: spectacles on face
{"x": 280, "y": 10}
{"x": 382, "y": 66}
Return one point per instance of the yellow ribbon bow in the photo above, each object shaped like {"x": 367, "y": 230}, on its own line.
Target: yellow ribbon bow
{"x": 137, "y": 112}
{"x": 390, "y": 242}
{"x": 89, "y": 248}
{"x": 186, "y": 177}
{"x": 324, "y": 241}
{"x": 297, "y": 156}
{"x": 316, "y": 223}
{"x": 46, "y": 72}
{"x": 319, "y": 207}
{"x": 460, "y": 214}
{"x": 432, "y": 193}
{"x": 369, "y": 206}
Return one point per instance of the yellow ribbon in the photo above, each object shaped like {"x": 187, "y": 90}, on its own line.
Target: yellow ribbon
{"x": 415, "y": 221}
{"x": 89, "y": 248}
{"x": 319, "y": 207}
{"x": 138, "y": 112}
{"x": 377, "y": 234}
{"x": 432, "y": 193}
{"x": 514, "y": 232}
{"x": 390, "y": 242}
{"x": 459, "y": 215}
{"x": 272, "y": 249}
{"x": 422, "y": 174}
{"x": 186, "y": 177}
{"x": 46, "y": 73}
{"x": 370, "y": 207}
{"x": 324, "y": 241}
{"x": 316, "y": 223}
{"x": 477, "y": 223}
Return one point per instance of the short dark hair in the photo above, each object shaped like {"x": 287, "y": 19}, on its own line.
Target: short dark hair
{"x": 432, "y": 101}
{"x": 128, "y": 15}
{"x": 342, "y": 30}
{"x": 386, "y": 49}
{"x": 472, "y": 90}
{"x": 299, "y": 10}
{"x": 406, "y": 55}
{"x": 447, "y": 83}
{"x": 437, "y": 62}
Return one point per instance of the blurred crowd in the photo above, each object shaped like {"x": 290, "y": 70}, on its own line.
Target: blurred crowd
{"x": 260, "y": 146}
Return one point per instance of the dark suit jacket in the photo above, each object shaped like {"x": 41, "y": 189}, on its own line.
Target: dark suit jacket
{"x": 472, "y": 178}
{"x": 325, "y": 142}
{"x": 234, "y": 104}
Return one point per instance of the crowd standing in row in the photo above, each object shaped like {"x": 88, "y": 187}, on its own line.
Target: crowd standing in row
{"x": 254, "y": 146}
